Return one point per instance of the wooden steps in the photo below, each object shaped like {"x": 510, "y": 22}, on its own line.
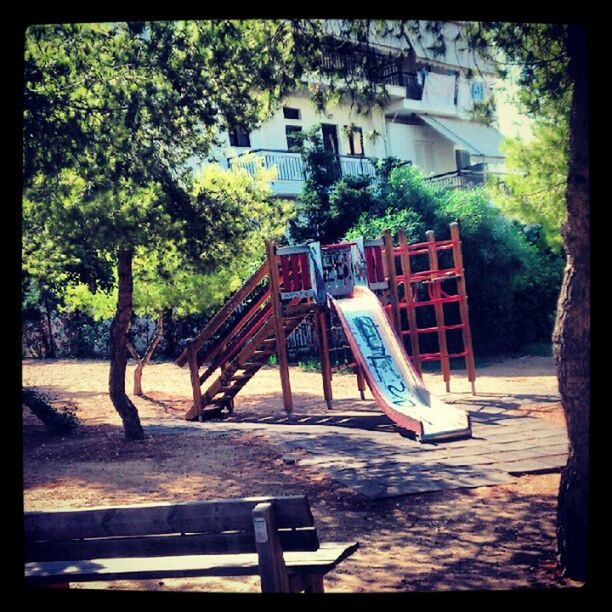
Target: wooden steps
{"x": 243, "y": 346}
{"x": 238, "y": 372}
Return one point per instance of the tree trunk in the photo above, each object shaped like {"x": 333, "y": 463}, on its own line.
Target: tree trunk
{"x": 46, "y": 351}
{"x": 571, "y": 337}
{"x": 142, "y": 362}
{"x": 52, "y": 351}
{"x": 170, "y": 334}
{"x": 118, "y": 350}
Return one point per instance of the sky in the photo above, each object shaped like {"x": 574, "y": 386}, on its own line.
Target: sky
{"x": 511, "y": 122}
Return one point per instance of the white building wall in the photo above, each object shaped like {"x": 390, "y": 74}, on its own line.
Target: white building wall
{"x": 271, "y": 135}
{"x": 422, "y": 145}
{"x": 385, "y": 132}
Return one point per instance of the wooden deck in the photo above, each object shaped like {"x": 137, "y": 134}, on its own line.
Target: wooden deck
{"x": 367, "y": 453}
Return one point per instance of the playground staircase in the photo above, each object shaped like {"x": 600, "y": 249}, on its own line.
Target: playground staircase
{"x": 238, "y": 341}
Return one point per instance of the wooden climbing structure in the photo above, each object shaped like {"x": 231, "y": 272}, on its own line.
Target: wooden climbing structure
{"x": 295, "y": 284}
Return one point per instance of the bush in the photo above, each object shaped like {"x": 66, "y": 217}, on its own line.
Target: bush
{"x": 372, "y": 226}
{"x": 512, "y": 282}
{"x": 57, "y": 422}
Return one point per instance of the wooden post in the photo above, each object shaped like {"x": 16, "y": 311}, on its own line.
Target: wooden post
{"x": 326, "y": 371}
{"x": 223, "y": 365}
{"x": 463, "y": 306}
{"x": 439, "y": 310}
{"x": 313, "y": 583}
{"x": 392, "y": 276}
{"x": 360, "y": 381}
{"x": 409, "y": 299}
{"x": 272, "y": 569}
{"x": 196, "y": 409}
{"x": 281, "y": 344}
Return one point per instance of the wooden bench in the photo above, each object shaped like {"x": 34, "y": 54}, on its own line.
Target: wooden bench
{"x": 274, "y": 537}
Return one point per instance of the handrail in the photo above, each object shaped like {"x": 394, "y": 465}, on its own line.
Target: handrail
{"x": 222, "y": 350}
{"x": 296, "y": 154}
{"x": 230, "y": 352}
{"x": 231, "y": 305}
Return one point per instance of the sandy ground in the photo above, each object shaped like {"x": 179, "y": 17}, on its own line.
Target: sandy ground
{"x": 488, "y": 538}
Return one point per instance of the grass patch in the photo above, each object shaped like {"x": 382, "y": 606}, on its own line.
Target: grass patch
{"x": 310, "y": 365}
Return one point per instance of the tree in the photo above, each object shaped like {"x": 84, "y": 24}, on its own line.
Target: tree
{"x": 112, "y": 115}
{"x": 167, "y": 284}
{"x": 571, "y": 338}
{"x": 553, "y": 61}
{"x": 113, "y": 112}
{"x": 534, "y": 191}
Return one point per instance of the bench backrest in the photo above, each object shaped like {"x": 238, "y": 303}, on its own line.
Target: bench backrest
{"x": 209, "y": 527}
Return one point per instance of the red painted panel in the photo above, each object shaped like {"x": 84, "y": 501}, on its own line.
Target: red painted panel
{"x": 380, "y": 271}
{"x": 284, "y": 259}
{"x": 370, "y": 264}
{"x": 305, "y": 270}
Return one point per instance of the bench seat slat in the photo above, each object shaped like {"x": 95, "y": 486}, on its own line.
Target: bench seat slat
{"x": 212, "y": 516}
{"x": 165, "y": 545}
{"x": 320, "y": 561}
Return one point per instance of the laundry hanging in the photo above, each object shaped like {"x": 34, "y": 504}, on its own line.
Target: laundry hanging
{"x": 439, "y": 93}
{"x": 465, "y": 101}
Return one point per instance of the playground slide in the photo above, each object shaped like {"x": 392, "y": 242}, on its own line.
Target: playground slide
{"x": 397, "y": 389}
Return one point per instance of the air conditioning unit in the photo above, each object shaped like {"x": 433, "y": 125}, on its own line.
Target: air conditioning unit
{"x": 462, "y": 159}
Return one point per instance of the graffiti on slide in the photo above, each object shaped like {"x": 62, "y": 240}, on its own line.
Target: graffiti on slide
{"x": 381, "y": 363}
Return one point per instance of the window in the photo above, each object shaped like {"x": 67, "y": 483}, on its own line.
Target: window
{"x": 330, "y": 137}
{"x": 291, "y": 113}
{"x": 293, "y": 140}
{"x": 355, "y": 139}
{"x": 239, "y": 137}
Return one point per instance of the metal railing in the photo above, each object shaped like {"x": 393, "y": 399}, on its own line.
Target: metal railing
{"x": 458, "y": 179}
{"x": 375, "y": 67}
{"x": 290, "y": 167}
{"x": 409, "y": 80}
{"x": 355, "y": 61}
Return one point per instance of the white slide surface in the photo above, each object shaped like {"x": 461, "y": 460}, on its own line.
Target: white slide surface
{"x": 396, "y": 387}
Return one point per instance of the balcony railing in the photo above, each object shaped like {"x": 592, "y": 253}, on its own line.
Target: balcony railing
{"x": 290, "y": 167}
{"x": 458, "y": 179}
{"x": 355, "y": 61}
{"x": 409, "y": 80}
{"x": 374, "y": 66}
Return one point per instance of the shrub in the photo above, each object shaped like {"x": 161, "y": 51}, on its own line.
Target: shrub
{"x": 372, "y": 226}
{"x": 57, "y": 422}
{"x": 512, "y": 282}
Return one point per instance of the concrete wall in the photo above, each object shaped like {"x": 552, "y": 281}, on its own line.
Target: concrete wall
{"x": 271, "y": 135}
{"x": 381, "y": 137}
{"x": 432, "y": 153}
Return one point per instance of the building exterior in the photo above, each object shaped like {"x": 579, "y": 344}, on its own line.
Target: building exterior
{"x": 427, "y": 120}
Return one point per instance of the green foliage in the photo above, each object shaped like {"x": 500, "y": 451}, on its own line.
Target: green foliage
{"x": 57, "y": 422}
{"x": 113, "y": 112}
{"x": 314, "y": 218}
{"x": 330, "y": 204}
{"x": 164, "y": 278}
{"x": 372, "y": 226}
{"x": 535, "y": 190}
{"x": 310, "y": 365}
{"x": 512, "y": 284}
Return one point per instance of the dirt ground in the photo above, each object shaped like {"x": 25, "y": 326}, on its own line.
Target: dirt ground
{"x": 487, "y": 538}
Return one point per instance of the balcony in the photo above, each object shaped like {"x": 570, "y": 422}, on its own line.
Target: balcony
{"x": 408, "y": 80}
{"x": 466, "y": 178}
{"x": 374, "y": 66}
{"x": 290, "y": 168}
